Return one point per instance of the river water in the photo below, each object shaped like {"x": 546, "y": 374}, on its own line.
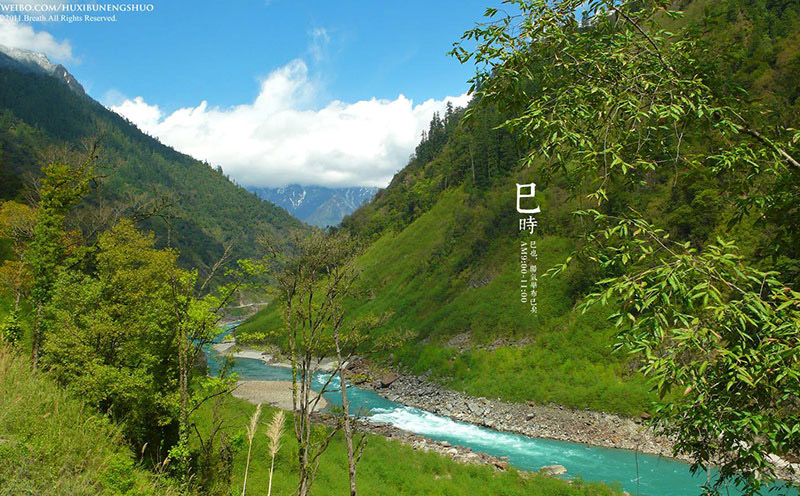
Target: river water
{"x": 642, "y": 474}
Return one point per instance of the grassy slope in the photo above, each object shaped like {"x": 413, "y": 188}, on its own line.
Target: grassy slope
{"x": 51, "y": 445}
{"x": 387, "y": 468}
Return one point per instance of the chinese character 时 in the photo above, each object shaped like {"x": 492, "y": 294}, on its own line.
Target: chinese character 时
{"x": 528, "y": 224}
{"x": 520, "y": 195}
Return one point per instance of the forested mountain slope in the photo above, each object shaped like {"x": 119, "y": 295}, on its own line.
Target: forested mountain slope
{"x": 205, "y": 209}
{"x": 444, "y": 240}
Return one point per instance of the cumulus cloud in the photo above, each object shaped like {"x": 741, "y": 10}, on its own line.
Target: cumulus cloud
{"x": 14, "y": 34}
{"x": 279, "y": 139}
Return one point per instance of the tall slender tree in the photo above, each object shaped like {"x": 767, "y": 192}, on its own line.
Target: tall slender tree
{"x": 61, "y": 188}
{"x": 314, "y": 278}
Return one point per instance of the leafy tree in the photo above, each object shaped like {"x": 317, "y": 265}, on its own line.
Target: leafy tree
{"x": 11, "y": 329}
{"x": 117, "y": 345}
{"x": 17, "y": 223}
{"x": 608, "y": 103}
{"x": 61, "y": 188}
{"x": 197, "y": 311}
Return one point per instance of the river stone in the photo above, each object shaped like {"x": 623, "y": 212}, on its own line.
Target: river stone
{"x": 501, "y": 465}
{"x": 553, "y": 470}
{"x": 388, "y": 379}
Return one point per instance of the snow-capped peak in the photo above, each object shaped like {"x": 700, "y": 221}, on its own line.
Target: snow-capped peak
{"x": 29, "y": 58}
{"x": 28, "y": 61}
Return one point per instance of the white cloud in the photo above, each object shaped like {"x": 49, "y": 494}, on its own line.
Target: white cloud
{"x": 14, "y": 34}
{"x": 319, "y": 43}
{"x": 278, "y": 140}
{"x": 145, "y": 116}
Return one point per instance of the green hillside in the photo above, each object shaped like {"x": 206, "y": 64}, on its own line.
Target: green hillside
{"x": 451, "y": 276}
{"x": 39, "y": 113}
{"x": 444, "y": 239}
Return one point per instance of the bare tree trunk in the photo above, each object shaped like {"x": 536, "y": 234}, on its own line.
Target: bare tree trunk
{"x": 302, "y": 489}
{"x": 37, "y": 337}
{"x": 348, "y": 433}
{"x": 472, "y": 163}
{"x": 183, "y": 419}
{"x": 304, "y": 438}
{"x": 347, "y": 426}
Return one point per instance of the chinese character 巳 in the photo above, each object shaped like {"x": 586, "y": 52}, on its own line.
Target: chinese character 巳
{"x": 527, "y": 223}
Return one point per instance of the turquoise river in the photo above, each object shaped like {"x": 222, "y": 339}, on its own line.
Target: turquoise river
{"x": 657, "y": 476}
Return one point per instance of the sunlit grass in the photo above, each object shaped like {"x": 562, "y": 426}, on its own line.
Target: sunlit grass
{"x": 52, "y": 444}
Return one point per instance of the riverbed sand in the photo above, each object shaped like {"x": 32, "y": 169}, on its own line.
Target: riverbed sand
{"x": 275, "y": 393}
{"x": 230, "y": 348}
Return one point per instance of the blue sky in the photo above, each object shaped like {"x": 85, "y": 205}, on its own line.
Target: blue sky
{"x": 185, "y": 52}
{"x": 277, "y": 91}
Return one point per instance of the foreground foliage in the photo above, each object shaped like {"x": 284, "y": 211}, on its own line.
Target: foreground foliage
{"x": 116, "y": 344}
{"x": 610, "y": 102}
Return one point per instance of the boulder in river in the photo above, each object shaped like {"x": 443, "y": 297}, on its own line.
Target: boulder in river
{"x": 553, "y": 470}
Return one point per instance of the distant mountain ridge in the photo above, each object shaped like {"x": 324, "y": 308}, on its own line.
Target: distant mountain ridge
{"x": 317, "y": 205}
{"x": 38, "y": 63}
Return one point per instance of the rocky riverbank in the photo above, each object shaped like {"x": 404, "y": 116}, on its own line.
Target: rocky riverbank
{"x": 231, "y": 348}
{"x": 459, "y": 454}
{"x": 543, "y": 421}
{"x": 533, "y": 420}
{"x": 274, "y": 393}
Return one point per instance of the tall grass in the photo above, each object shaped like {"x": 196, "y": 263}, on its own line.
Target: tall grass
{"x": 251, "y": 433}
{"x": 52, "y": 444}
{"x": 274, "y": 434}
